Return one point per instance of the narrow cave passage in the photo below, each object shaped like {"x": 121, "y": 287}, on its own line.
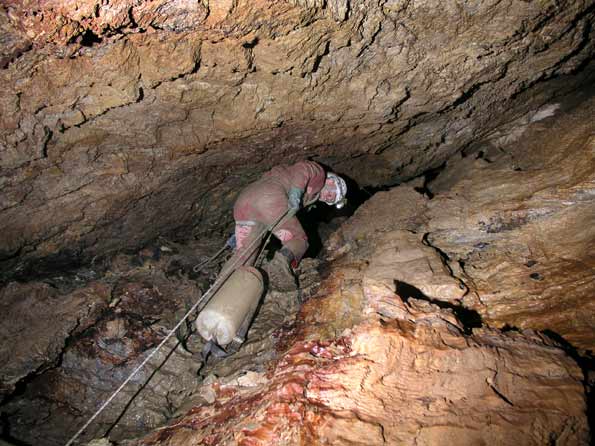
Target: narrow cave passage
{"x": 400, "y": 230}
{"x": 451, "y": 301}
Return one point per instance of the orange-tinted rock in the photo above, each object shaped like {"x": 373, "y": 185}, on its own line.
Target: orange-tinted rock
{"x": 518, "y": 230}
{"x": 123, "y": 120}
{"x": 396, "y": 373}
{"x": 510, "y": 224}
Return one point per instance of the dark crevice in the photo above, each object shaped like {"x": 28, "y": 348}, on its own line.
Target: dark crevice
{"x": 7, "y": 60}
{"x": 47, "y": 137}
{"x": 64, "y": 264}
{"x": 89, "y": 38}
{"x": 5, "y": 431}
{"x": 443, "y": 256}
{"x": 501, "y": 395}
{"x": 466, "y": 95}
{"x": 316, "y": 63}
{"x": 320, "y": 219}
{"x": 4, "y": 256}
{"x": 133, "y": 23}
{"x": 586, "y": 361}
{"x": 429, "y": 176}
{"x": 250, "y": 44}
{"x": 469, "y": 318}
{"x": 469, "y": 93}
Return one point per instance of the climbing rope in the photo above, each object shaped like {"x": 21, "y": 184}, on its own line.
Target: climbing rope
{"x": 201, "y": 265}
{"x": 198, "y": 306}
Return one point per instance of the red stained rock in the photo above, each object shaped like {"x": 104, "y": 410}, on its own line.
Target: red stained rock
{"x": 407, "y": 377}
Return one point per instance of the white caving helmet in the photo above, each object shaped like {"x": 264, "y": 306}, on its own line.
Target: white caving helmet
{"x": 340, "y": 190}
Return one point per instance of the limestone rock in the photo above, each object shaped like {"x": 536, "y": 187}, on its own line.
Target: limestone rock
{"x": 404, "y": 260}
{"x": 517, "y": 226}
{"x": 36, "y": 320}
{"x": 510, "y": 222}
{"x": 124, "y": 120}
{"x": 69, "y": 349}
{"x": 394, "y": 372}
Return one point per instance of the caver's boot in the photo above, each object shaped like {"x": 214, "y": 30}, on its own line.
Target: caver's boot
{"x": 280, "y": 272}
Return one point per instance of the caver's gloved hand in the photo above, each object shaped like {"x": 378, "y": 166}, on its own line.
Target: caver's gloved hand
{"x": 295, "y": 199}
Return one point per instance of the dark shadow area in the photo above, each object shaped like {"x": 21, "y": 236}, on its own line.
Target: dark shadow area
{"x": 469, "y": 318}
{"x": 320, "y": 220}
{"x": 587, "y": 364}
{"x": 5, "y": 424}
{"x": 89, "y": 38}
{"x": 64, "y": 263}
{"x": 507, "y": 328}
{"x": 6, "y": 437}
{"x": 429, "y": 176}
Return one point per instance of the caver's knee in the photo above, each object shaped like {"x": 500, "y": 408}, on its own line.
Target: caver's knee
{"x": 284, "y": 235}
{"x": 243, "y": 231}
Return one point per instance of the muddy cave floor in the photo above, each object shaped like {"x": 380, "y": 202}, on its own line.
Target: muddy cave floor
{"x": 113, "y": 312}
{"x": 145, "y": 293}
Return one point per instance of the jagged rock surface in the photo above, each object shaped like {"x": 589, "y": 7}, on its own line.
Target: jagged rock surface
{"x": 66, "y": 369}
{"x": 361, "y": 366}
{"x": 512, "y": 222}
{"x": 119, "y": 114}
{"x": 28, "y": 343}
{"x": 69, "y": 342}
{"x": 516, "y": 223}
{"x": 123, "y": 120}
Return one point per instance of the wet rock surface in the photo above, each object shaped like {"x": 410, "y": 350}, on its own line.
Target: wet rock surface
{"x": 363, "y": 365}
{"x": 119, "y": 113}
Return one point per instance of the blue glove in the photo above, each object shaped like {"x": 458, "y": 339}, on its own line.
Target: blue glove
{"x": 231, "y": 242}
{"x": 295, "y": 198}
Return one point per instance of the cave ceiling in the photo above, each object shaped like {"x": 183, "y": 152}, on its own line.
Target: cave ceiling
{"x": 123, "y": 120}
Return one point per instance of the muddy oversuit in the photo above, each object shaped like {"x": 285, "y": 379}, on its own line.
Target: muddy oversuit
{"x": 262, "y": 203}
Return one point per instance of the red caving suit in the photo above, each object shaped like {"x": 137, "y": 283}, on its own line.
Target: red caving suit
{"x": 262, "y": 203}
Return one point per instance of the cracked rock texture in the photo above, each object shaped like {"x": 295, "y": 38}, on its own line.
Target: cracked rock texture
{"x": 123, "y": 120}
{"x": 28, "y": 343}
{"x": 512, "y": 222}
{"x": 364, "y": 365}
{"x": 68, "y": 342}
{"x": 110, "y": 320}
{"x": 522, "y": 242}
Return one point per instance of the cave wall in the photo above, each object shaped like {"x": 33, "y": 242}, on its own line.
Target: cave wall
{"x": 367, "y": 363}
{"x": 124, "y": 120}
{"x": 510, "y": 223}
